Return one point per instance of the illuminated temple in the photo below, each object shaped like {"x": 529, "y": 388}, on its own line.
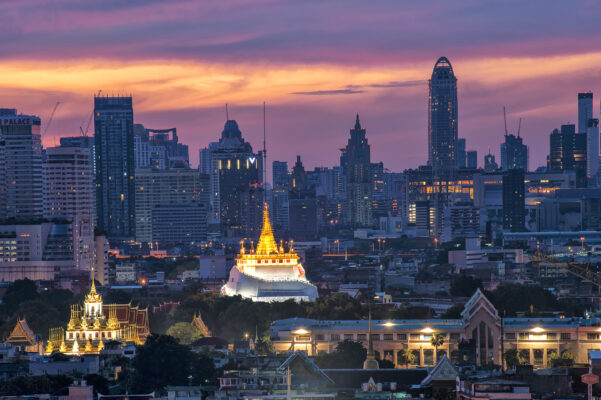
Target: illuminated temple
{"x": 269, "y": 273}
{"x": 96, "y": 324}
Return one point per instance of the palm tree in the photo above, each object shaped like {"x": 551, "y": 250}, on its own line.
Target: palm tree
{"x": 406, "y": 357}
{"x": 437, "y": 340}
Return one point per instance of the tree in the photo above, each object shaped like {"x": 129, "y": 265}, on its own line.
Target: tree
{"x": 453, "y": 312}
{"x": 406, "y": 357}
{"x": 566, "y": 359}
{"x": 348, "y": 354}
{"x": 17, "y": 293}
{"x": 513, "y": 358}
{"x": 184, "y": 332}
{"x": 465, "y": 286}
{"x": 162, "y": 361}
{"x": 437, "y": 340}
{"x": 384, "y": 363}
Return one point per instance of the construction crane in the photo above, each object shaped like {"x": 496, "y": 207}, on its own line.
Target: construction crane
{"x": 51, "y": 117}
{"x": 85, "y": 133}
{"x": 582, "y": 271}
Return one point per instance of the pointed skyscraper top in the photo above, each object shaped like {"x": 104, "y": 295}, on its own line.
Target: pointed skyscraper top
{"x": 357, "y": 123}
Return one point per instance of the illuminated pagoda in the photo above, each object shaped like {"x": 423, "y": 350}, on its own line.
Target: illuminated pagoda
{"x": 269, "y": 273}
{"x": 91, "y": 327}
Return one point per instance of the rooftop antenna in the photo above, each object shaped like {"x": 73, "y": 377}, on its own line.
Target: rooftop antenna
{"x": 227, "y": 116}
{"x": 519, "y": 126}
{"x": 505, "y": 120}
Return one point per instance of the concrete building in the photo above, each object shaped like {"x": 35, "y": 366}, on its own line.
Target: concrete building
{"x": 472, "y": 159}
{"x": 69, "y": 196}
{"x": 21, "y": 175}
{"x": 568, "y": 152}
{"x": 179, "y": 223}
{"x": 592, "y": 152}
{"x": 585, "y": 110}
{"x": 166, "y": 188}
{"x": 478, "y": 336}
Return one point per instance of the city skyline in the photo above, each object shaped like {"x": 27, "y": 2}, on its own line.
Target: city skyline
{"x": 313, "y": 84}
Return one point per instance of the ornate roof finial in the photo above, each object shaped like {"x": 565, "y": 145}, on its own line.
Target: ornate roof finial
{"x": 370, "y": 360}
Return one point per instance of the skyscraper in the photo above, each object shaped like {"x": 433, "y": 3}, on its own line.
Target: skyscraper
{"x": 585, "y": 110}
{"x": 472, "y": 159}
{"x": 568, "y": 152}
{"x": 490, "y": 165}
{"x": 592, "y": 152}
{"x": 356, "y": 165}
{"x": 115, "y": 166}
{"x": 21, "y": 176}
{"x": 442, "y": 118}
{"x": 232, "y": 168}
{"x": 280, "y": 195}
{"x": 461, "y": 155}
{"x": 514, "y": 154}
{"x": 69, "y": 196}
{"x": 514, "y": 206}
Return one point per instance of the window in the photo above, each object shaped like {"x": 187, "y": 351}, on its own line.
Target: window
{"x": 319, "y": 337}
{"x": 335, "y": 336}
{"x": 565, "y": 335}
{"x": 388, "y": 336}
{"x": 592, "y": 336}
{"x": 348, "y": 336}
{"x": 375, "y": 336}
{"x": 361, "y": 336}
{"x": 454, "y": 336}
{"x": 510, "y": 336}
{"x": 523, "y": 336}
{"x": 551, "y": 336}
{"x": 414, "y": 336}
{"x": 401, "y": 336}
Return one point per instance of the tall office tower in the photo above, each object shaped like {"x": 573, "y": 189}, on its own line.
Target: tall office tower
{"x": 115, "y": 166}
{"x": 21, "y": 176}
{"x": 514, "y": 154}
{"x": 592, "y": 152}
{"x": 69, "y": 196}
{"x": 568, "y": 152}
{"x": 280, "y": 195}
{"x": 490, "y": 165}
{"x": 514, "y": 206}
{"x": 585, "y": 110}
{"x": 461, "y": 155}
{"x": 471, "y": 158}
{"x": 169, "y": 189}
{"x": 298, "y": 178}
{"x": 442, "y": 118}
{"x": 356, "y": 165}
{"x": 233, "y": 168}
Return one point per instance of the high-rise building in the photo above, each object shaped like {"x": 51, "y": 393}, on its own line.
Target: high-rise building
{"x": 592, "y": 152}
{"x": 442, "y": 118}
{"x": 356, "y": 165}
{"x": 69, "y": 196}
{"x": 168, "y": 189}
{"x": 115, "y": 166}
{"x": 514, "y": 153}
{"x": 568, "y": 152}
{"x": 279, "y": 194}
{"x": 585, "y": 110}
{"x": 86, "y": 142}
{"x": 472, "y": 159}
{"x": 156, "y": 149}
{"x": 21, "y": 176}
{"x": 233, "y": 168}
{"x": 514, "y": 201}
{"x": 461, "y": 153}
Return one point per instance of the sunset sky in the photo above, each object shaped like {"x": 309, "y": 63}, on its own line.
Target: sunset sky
{"x": 315, "y": 63}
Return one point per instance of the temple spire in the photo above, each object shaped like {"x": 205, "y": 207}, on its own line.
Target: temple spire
{"x": 267, "y": 244}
